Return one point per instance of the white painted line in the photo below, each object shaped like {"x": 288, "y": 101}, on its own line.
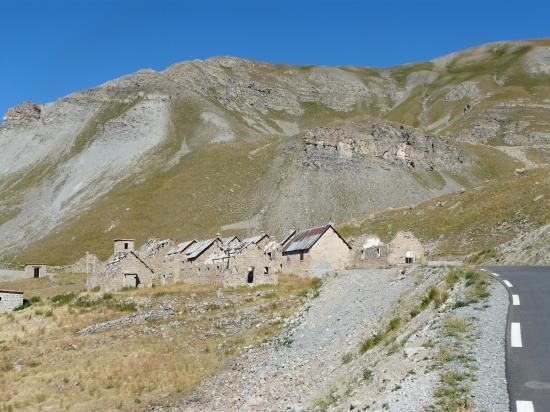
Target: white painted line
{"x": 516, "y": 335}
{"x": 495, "y": 274}
{"x": 507, "y": 283}
{"x": 524, "y": 406}
{"x": 515, "y": 300}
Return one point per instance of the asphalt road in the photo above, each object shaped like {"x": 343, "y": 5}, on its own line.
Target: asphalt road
{"x": 527, "y": 336}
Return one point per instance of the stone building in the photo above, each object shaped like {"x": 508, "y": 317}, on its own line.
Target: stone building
{"x": 36, "y": 270}
{"x": 405, "y": 248}
{"x": 124, "y": 245}
{"x": 250, "y": 263}
{"x": 153, "y": 253}
{"x": 173, "y": 260}
{"x": 9, "y": 300}
{"x": 196, "y": 265}
{"x": 125, "y": 269}
{"x": 315, "y": 251}
{"x": 370, "y": 251}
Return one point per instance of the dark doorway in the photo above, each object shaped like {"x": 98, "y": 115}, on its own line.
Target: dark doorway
{"x": 250, "y": 276}
{"x": 408, "y": 260}
{"x": 36, "y": 270}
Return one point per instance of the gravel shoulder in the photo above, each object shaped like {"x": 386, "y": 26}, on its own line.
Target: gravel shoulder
{"x": 489, "y": 391}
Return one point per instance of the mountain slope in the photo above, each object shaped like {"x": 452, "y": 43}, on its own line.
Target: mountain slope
{"x": 221, "y": 144}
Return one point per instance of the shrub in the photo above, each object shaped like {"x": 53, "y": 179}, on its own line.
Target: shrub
{"x": 347, "y": 358}
{"x": 371, "y": 342}
{"x": 26, "y": 303}
{"x": 126, "y": 306}
{"x": 62, "y": 299}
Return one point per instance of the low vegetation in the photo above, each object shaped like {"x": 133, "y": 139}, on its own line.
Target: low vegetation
{"x": 461, "y": 224}
{"x": 44, "y": 364}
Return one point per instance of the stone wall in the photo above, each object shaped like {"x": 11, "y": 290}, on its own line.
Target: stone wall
{"x": 251, "y": 266}
{"x": 200, "y": 274}
{"x": 10, "y": 300}
{"x": 402, "y": 243}
{"x": 376, "y": 256}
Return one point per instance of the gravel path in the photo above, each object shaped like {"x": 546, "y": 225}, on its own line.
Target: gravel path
{"x": 490, "y": 392}
{"x": 285, "y": 377}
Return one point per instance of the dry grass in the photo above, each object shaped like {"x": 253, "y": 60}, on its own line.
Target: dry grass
{"x": 46, "y": 287}
{"x": 44, "y": 365}
{"x": 460, "y": 224}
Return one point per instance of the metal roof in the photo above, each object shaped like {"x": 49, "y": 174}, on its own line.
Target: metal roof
{"x": 197, "y": 249}
{"x": 305, "y": 239}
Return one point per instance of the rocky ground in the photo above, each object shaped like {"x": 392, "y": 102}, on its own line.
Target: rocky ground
{"x": 530, "y": 248}
{"x": 375, "y": 340}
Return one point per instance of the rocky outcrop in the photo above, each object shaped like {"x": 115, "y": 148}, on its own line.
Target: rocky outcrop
{"x": 24, "y": 112}
{"x": 397, "y": 145}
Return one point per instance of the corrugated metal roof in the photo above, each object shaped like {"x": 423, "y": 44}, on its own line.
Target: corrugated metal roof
{"x": 305, "y": 239}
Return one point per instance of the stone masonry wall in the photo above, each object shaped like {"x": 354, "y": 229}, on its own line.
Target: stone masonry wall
{"x": 9, "y": 301}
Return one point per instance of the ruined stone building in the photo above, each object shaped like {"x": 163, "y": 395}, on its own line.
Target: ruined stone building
{"x": 196, "y": 266}
{"x": 315, "y": 251}
{"x": 124, "y": 270}
{"x": 370, "y": 251}
{"x": 9, "y": 300}
{"x": 405, "y": 248}
{"x": 36, "y": 270}
{"x": 250, "y": 263}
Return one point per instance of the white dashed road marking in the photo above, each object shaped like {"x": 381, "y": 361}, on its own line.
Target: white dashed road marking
{"x": 515, "y": 300}
{"x": 507, "y": 283}
{"x": 524, "y": 406}
{"x": 516, "y": 335}
{"x": 495, "y": 274}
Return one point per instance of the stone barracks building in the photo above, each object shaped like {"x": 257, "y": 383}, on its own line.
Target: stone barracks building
{"x": 125, "y": 269}
{"x": 315, "y": 251}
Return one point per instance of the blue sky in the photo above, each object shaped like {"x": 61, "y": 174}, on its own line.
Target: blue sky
{"x": 51, "y": 48}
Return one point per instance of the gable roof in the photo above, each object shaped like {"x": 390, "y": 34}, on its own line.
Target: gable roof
{"x": 305, "y": 239}
{"x": 291, "y": 233}
{"x": 255, "y": 239}
{"x": 198, "y": 249}
{"x": 227, "y": 240}
{"x": 123, "y": 255}
{"x": 180, "y": 247}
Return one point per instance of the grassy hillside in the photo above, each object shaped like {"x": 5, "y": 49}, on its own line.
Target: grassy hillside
{"x": 479, "y": 219}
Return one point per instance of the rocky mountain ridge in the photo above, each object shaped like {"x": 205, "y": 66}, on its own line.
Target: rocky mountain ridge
{"x": 77, "y": 171}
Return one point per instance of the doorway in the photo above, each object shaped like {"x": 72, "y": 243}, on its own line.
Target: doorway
{"x": 36, "y": 272}
{"x": 250, "y": 275}
{"x": 131, "y": 280}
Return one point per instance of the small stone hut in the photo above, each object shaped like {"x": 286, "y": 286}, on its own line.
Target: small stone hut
{"x": 9, "y": 300}
{"x": 315, "y": 251}
{"x": 36, "y": 270}
{"x": 405, "y": 248}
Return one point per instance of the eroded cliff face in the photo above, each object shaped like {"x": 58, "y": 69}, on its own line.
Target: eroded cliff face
{"x": 395, "y": 144}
